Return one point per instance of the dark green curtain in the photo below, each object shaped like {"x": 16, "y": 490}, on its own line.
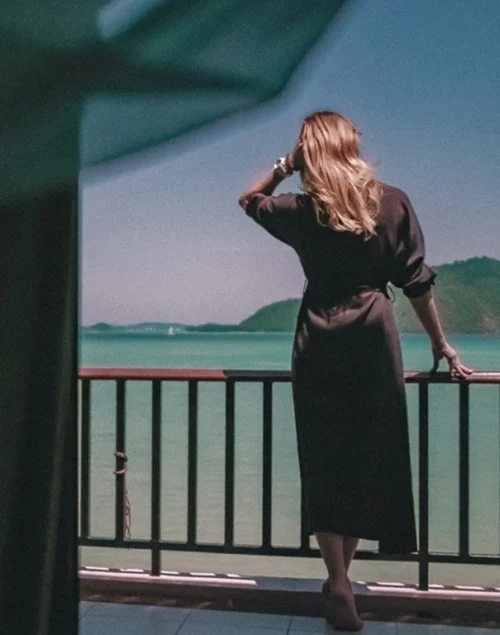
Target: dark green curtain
{"x": 82, "y": 84}
{"x": 38, "y": 457}
{"x": 146, "y": 71}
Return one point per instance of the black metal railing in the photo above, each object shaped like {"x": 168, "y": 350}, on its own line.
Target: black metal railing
{"x": 267, "y": 379}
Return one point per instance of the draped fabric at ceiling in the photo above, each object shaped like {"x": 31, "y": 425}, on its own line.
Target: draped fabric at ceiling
{"x": 85, "y": 83}
{"x": 144, "y": 71}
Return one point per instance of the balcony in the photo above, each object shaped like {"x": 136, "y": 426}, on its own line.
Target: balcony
{"x": 295, "y": 597}
{"x": 127, "y": 619}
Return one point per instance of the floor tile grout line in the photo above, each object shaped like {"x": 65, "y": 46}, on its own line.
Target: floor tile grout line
{"x": 207, "y": 612}
{"x": 260, "y": 629}
{"x": 121, "y": 619}
{"x": 183, "y": 621}
{"x": 82, "y": 615}
{"x": 180, "y": 627}
{"x": 89, "y": 611}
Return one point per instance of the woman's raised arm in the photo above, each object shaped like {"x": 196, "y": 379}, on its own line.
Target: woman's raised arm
{"x": 263, "y": 185}
{"x": 270, "y": 181}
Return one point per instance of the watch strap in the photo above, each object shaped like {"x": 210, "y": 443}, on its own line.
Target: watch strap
{"x": 282, "y": 168}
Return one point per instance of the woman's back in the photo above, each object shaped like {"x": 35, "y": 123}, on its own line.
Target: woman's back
{"x": 341, "y": 262}
{"x": 353, "y": 236}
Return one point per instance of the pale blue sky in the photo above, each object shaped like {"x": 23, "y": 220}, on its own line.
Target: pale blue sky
{"x": 165, "y": 240}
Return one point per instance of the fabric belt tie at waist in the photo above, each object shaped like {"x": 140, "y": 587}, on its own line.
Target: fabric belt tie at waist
{"x": 336, "y": 292}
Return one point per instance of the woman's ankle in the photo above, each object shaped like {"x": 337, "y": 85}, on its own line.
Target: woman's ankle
{"x": 338, "y": 585}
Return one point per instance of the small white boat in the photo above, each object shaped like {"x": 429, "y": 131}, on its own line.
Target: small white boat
{"x": 171, "y": 331}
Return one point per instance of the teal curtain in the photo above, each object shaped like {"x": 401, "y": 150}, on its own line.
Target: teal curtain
{"x": 38, "y": 457}
{"x": 84, "y": 84}
{"x": 144, "y": 72}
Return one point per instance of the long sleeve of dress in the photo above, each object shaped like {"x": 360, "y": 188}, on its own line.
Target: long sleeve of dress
{"x": 411, "y": 274}
{"x": 279, "y": 215}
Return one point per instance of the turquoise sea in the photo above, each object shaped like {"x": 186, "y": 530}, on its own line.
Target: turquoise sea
{"x": 263, "y": 351}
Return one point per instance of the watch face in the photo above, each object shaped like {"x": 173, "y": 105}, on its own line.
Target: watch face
{"x": 281, "y": 167}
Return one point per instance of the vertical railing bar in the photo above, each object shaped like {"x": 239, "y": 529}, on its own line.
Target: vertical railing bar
{"x": 304, "y": 533}
{"x": 267, "y": 383}
{"x": 464, "y": 470}
{"x": 120, "y": 463}
{"x": 499, "y": 470}
{"x": 156, "y": 478}
{"x": 85, "y": 460}
{"x": 423, "y": 486}
{"x": 267, "y": 463}
{"x": 229, "y": 466}
{"x": 192, "y": 462}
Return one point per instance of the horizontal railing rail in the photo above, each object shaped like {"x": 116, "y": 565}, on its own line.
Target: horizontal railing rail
{"x": 193, "y": 377}
{"x": 209, "y": 374}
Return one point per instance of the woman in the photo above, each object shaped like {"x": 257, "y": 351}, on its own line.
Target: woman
{"x": 353, "y": 236}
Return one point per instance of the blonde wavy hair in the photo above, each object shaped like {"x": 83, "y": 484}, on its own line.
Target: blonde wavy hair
{"x": 345, "y": 192}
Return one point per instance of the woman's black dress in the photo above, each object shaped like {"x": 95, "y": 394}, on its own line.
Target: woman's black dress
{"x": 347, "y": 372}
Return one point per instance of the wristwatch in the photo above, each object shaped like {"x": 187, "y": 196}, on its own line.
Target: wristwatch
{"x": 282, "y": 168}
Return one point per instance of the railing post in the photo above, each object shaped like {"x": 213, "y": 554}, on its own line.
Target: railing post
{"x": 121, "y": 462}
{"x": 192, "y": 463}
{"x": 423, "y": 487}
{"x": 156, "y": 479}
{"x": 156, "y": 545}
{"x": 85, "y": 460}
{"x": 267, "y": 463}
{"x": 229, "y": 465}
{"x": 464, "y": 470}
{"x": 305, "y": 544}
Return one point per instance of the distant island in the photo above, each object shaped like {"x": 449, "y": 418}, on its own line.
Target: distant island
{"x": 467, "y": 293}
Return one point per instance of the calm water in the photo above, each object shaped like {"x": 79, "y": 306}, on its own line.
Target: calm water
{"x": 272, "y": 352}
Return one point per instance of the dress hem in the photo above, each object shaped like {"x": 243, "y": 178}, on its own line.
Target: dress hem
{"x": 367, "y": 536}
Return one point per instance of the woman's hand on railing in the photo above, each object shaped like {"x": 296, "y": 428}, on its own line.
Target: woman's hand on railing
{"x": 445, "y": 351}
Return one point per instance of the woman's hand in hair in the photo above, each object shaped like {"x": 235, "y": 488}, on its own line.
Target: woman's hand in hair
{"x": 295, "y": 158}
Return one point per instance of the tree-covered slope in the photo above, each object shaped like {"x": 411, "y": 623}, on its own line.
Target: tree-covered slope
{"x": 467, "y": 294}
{"x": 279, "y": 316}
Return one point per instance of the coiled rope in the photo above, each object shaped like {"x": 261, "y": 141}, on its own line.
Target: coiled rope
{"x": 127, "y": 510}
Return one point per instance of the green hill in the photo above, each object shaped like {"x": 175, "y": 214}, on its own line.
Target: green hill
{"x": 212, "y": 327}
{"x": 467, "y": 294}
{"x": 101, "y": 326}
{"x": 279, "y": 316}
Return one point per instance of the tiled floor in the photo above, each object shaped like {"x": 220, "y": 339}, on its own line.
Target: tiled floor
{"x": 128, "y": 619}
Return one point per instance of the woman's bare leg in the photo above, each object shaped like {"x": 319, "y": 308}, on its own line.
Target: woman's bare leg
{"x": 332, "y": 551}
{"x": 341, "y": 608}
{"x": 350, "y": 546}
